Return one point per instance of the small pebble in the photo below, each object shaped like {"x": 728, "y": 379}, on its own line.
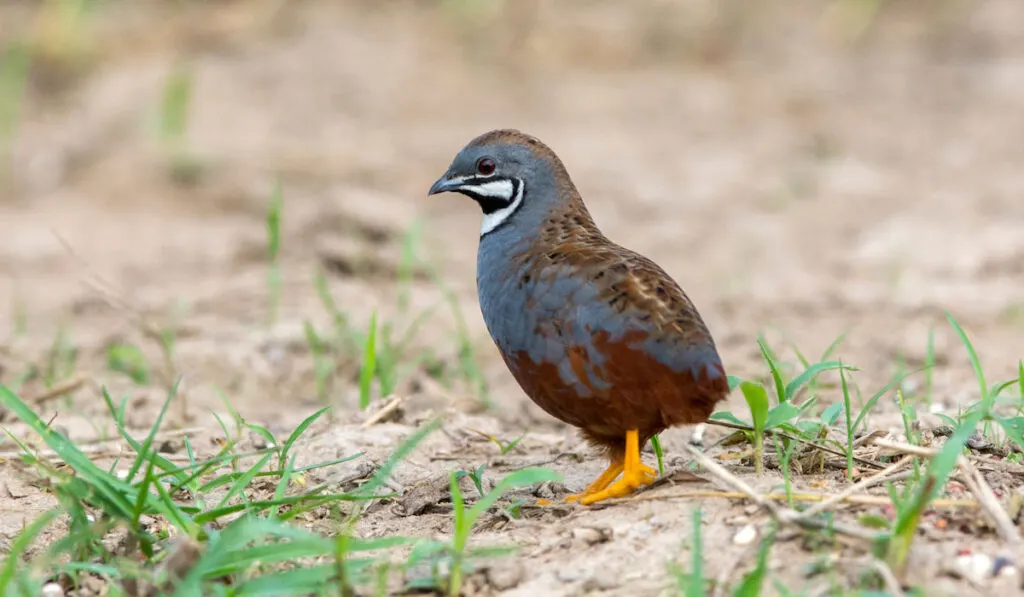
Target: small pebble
{"x": 1003, "y": 566}
{"x": 51, "y": 589}
{"x": 978, "y": 441}
{"x": 506, "y": 575}
{"x": 697, "y": 437}
{"x": 589, "y": 535}
{"x": 259, "y": 441}
{"x": 976, "y": 567}
{"x": 745, "y": 536}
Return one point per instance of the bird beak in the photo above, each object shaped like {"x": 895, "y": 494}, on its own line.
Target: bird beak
{"x": 445, "y": 184}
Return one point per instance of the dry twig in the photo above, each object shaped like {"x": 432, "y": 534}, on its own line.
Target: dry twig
{"x": 879, "y": 477}
{"x": 883, "y": 570}
{"x": 975, "y": 483}
{"x": 864, "y": 500}
{"x": 392, "y": 405}
{"x": 802, "y": 440}
{"x": 60, "y": 389}
{"x": 989, "y": 503}
{"x": 783, "y": 515}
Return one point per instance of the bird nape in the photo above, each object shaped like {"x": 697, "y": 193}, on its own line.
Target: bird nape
{"x": 597, "y": 335}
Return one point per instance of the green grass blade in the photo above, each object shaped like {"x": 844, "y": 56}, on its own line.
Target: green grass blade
{"x": 757, "y": 400}
{"x": 780, "y": 386}
{"x": 656, "y": 446}
{"x": 244, "y": 480}
{"x": 874, "y": 399}
{"x": 143, "y": 450}
{"x": 520, "y": 478}
{"x": 850, "y": 426}
{"x": 175, "y": 107}
{"x": 116, "y": 495}
{"x": 18, "y": 547}
{"x": 975, "y": 362}
{"x": 939, "y": 469}
{"x": 369, "y": 368}
{"x": 809, "y": 374}
{"x": 753, "y": 581}
{"x": 403, "y": 451}
{"x": 695, "y": 580}
{"x": 303, "y": 426}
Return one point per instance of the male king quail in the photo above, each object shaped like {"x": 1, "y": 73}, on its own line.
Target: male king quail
{"x": 597, "y": 335}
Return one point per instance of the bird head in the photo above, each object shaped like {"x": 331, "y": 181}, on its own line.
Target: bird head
{"x": 499, "y": 169}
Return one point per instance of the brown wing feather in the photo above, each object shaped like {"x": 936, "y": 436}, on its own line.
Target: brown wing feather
{"x": 639, "y": 391}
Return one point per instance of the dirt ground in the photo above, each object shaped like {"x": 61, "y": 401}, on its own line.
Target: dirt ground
{"x": 799, "y": 174}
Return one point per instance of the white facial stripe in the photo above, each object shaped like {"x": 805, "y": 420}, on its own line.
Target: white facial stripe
{"x": 499, "y": 189}
{"x": 495, "y": 218}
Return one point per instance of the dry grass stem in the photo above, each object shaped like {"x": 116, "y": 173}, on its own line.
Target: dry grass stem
{"x": 392, "y": 405}
{"x": 60, "y": 389}
{"x": 783, "y": 515}
{"x": 989, "y": 502}
{"x": 903, "y": 448}
{"x": 802, "y": 440}
{"x": 844, "y": 496}
{"x": 821, "y": 499}
{"x": 891, "y": 583}
{"x": 975, "y": 483}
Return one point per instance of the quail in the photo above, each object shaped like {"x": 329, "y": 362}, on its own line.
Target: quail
{"x": 597, "y": 335}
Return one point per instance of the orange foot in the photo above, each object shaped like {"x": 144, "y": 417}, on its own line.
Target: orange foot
{"x": 635, "y": 474}
{"x": 604, "y": 480}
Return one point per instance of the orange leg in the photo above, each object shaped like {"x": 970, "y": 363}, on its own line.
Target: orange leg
{"x": 634, "y": 474}
{"x": 614, "y": 469}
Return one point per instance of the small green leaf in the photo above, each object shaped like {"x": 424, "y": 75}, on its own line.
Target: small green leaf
{"x": 128, "y": 359}
{"x": 1014, "y": 429}
{"x": 519, "y": 478}
{"x": 728, "y": 416}
{"x": 782, "y": 413}
{"x": 757, "y": 400}
{"x": 874, "y": 521}
{"x": 734, "y": 382}
{"x": 831, "y": 414}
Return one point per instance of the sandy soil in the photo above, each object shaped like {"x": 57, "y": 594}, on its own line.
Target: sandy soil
{"x": 798, "y": 176}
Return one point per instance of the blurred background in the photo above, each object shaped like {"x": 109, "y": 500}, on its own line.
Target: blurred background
{"x": 804, "y": 168}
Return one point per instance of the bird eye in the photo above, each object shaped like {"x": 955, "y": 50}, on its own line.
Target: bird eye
{"x": 485, "y": 166}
